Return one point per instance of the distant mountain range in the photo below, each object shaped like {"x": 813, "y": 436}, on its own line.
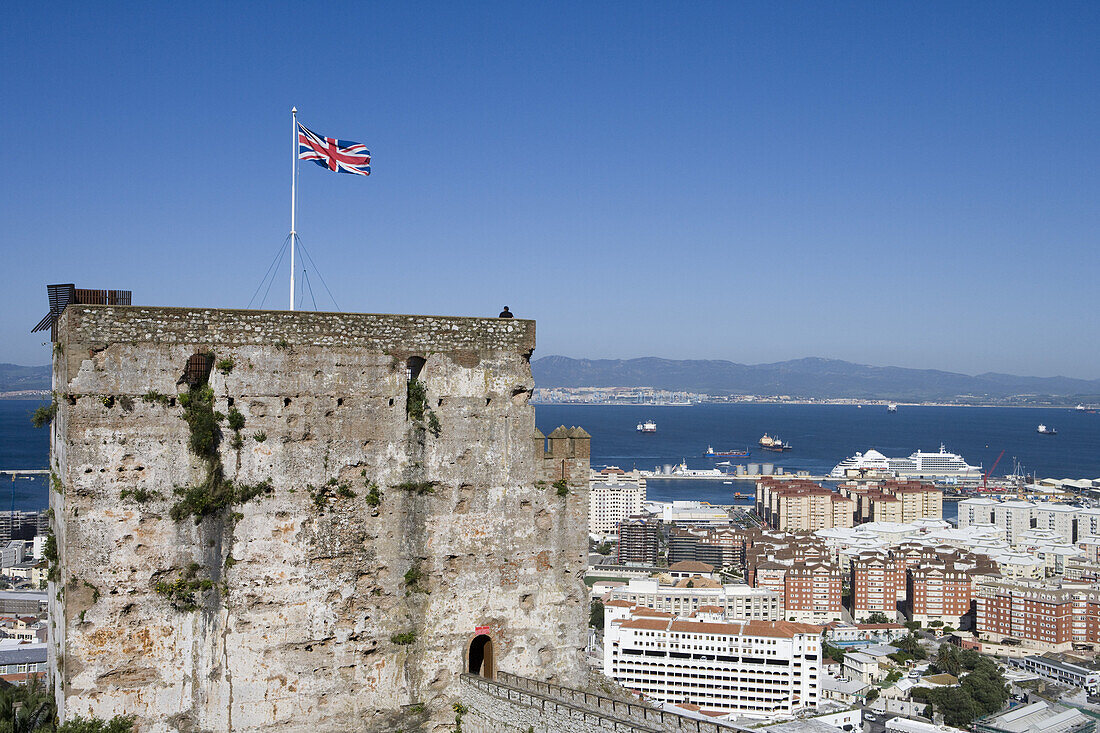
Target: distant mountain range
{"x": 14, "y": 377}
{"x": 811, "y": 378}
{"x": 801, "y": 378}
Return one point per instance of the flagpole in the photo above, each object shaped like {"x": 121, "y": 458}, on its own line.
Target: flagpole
{"x": 293, "y": 195}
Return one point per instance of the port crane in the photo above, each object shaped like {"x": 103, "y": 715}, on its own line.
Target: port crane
{"x": 988, "y": 473}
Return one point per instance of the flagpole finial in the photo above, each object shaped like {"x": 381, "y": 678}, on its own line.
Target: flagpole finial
{"x": 293, "y": 110}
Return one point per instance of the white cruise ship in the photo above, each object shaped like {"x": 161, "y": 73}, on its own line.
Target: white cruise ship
{"x": 918, "y": 465}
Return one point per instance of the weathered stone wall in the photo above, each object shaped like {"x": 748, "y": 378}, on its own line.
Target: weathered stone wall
{"x": 307, "y": 592}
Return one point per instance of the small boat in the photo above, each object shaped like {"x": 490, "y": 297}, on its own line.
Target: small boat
{"x": 1045, "y": 430}
{"x": 647, "y": 427}
{"x": 723, "y": 463}
{"x": 891, "y": 407}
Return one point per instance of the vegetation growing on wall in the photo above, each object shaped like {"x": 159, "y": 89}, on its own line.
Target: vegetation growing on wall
{"x": 181, "y": 591}
{"x": 49, "y": 553}
{"x": 43, "y": 415}
{"x": 214, "y": 493}
{"x": 140, "y": 495}
{"x": 154, "y": 397}
{"x": 418, "y": 487}
{"x": 562, "y": 487}
{"x": 416, "y": 406}
{"x": 404, "y": 639}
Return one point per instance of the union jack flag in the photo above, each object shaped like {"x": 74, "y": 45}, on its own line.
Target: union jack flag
{"x": 341, "y": 156}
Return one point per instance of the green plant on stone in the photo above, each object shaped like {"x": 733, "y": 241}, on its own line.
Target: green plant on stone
{"x": 55, "y": 483}
{"x": 94, "y": 589}
{"x": 49, "y": 553}
{"x": 419, "y": 487}
{"x": 154, "y": 397}
{"x": 374, "y": 496}
{"x": 141, "y": 495}
{"x": 43, "y": 415}
{"x": 413, "y": 576}
{"x": 181, "y": 590}
{"x": 236, "y": 442}
{"x": 434, "y": 426}
{"x": 282, "y": 345}
{"x": 562, "y": 487}
{"x": 224, "y": 365}
{"x": 404, "y": 638}
{"x": 236, "y": 419}
{"x": 260, "y": 437}
{"x": 416, "y": 401}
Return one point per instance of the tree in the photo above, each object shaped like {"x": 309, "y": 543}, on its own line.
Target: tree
{"x": 604, "y": 548}
{"x": 872, "y": 695}
{"x": 877, "y": 617}
{"x": 595, "y": 616}
{"x": 948, "y": 659}
{"x": 911, "y": 645}
{"x": 912, "y": 625}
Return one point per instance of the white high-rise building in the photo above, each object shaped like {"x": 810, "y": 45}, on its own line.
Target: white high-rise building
{"x": 613, "y": 496}
{"x": 765, "y": 669}
{"x": 737, "y": 601}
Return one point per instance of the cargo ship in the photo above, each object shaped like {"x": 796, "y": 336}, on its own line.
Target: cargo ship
{"x": 647, "y": 427}
{"x": 774, "y": 444}
{"x": 711, "y": 453}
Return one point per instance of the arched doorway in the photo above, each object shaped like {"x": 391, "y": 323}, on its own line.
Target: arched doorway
{"x": 479, "y": 660}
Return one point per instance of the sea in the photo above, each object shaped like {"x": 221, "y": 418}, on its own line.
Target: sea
{"x": 820, "y": 435}
{"x": 823, "y": 435}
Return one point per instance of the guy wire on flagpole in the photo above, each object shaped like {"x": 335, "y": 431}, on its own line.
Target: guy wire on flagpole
{"x": 293, "y": 194}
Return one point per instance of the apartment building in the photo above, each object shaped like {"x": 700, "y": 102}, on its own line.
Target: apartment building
{"x": 894, "y": 501}
{"x": 878, "y": 584}
{"x": 613, "y": 496}
{"x": 812, "y": 592}
{"x": 1040, "y": 616}
{"x": 797, "y": 505}
{"x": 736, "y": 601}
{"x": 722, "y": 547}
{"x": 639, "y": 541}
{"x": 765, "y": 669}
{"x": 940, "y": 592}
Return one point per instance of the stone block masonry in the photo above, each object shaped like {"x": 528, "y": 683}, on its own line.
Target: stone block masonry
{"x": 347, "y": 547}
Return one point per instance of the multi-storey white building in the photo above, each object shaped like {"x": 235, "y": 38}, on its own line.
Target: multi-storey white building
{"x": 736, "y": 601}
{"x": 756, "y": 668}
{"x": 613, "y": 496}
{"x": 1016, "y": 518}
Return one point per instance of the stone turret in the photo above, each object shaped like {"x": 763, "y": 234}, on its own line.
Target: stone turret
{"x": 318, "y": 533}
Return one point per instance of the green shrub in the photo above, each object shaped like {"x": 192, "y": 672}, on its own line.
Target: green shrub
{"x": 562, "y": 487}
{"x": 154, "y": 397}
{"x": 236, "y": 419}
{"x": 374, "y": 496}
{"x": 282, "y": 345}
{"x": 141, "y": 495}
{"x": 416, "y": 400}
{"x": 419, "y": 487}
{"x": 260, "y": 437}
{"x": 49, "y": 553}
{"x": 404, "y": 639}
{"x": 181, "y": 591}
{"x": 43, "y": 415}
{"x": 224, "y": 365}
{"x": 434, "y": 426}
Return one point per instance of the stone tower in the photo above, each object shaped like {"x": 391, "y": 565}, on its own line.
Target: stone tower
{"x": 292, "y": 521}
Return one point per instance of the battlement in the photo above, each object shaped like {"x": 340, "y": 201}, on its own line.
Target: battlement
{"x": 108, "y": 324}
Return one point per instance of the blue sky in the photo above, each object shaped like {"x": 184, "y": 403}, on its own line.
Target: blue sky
{"x": 912, "y": 184}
